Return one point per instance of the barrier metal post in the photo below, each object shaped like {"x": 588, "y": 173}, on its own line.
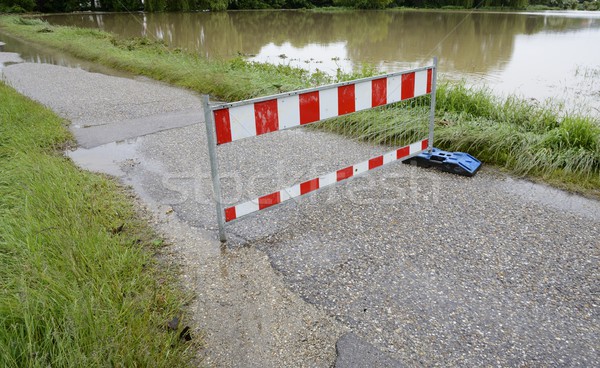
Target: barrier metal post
{"x": 432, "y": 107}
{"x": 214, "y": 165}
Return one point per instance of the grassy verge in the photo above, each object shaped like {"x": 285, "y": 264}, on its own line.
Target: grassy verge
{"x": 79, "y": 286}
{"x": 523, "y": 138}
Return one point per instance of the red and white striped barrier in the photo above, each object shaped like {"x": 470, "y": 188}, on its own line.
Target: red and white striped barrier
{"x": 230, "y": 122}
{"x": 297, "y": 190}
{"x": 264, "y": 115}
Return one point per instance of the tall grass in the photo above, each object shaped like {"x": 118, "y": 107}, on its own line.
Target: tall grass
{"x": 528, "y": 139}
{"x": 524, "y": 138}
{"x": 79, "y": 286}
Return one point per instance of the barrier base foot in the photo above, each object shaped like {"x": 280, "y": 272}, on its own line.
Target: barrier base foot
{"x": 459, "y": 163}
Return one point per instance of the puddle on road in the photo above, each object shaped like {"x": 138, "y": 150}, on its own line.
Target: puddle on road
{"x": 34, "y": 53}
{"x": 112, "y": 158}
{"x": 552, "y": 197}
{"x": 9, "y": 58}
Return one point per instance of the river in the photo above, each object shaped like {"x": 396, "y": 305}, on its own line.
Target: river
{"x": 541, "y": 56}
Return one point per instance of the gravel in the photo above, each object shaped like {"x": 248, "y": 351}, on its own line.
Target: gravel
{"x": 89, "y": 99}
{"x": 431, "y": 269}
{"x": 354, "y": 352}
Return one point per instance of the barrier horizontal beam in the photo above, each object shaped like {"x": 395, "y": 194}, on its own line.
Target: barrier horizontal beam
{"x": 246, "y": 208}
{"x": 250, "y": 118}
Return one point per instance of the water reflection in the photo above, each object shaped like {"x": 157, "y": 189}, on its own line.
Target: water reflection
{"x": 34, "y": 53}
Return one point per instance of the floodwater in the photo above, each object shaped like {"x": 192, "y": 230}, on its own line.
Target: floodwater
{"x": 536, "y": 55}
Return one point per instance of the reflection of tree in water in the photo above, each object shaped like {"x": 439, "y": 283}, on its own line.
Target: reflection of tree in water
{"x": 299, "y": 29}
{"x": 464, "y": 41}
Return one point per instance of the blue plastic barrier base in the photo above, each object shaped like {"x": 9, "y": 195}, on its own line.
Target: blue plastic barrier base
{"x": 459, "y": 163}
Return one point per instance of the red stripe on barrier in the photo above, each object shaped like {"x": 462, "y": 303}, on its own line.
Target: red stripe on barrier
{"x": 222, "y": 126}
{"x": 375, "y": 162}
{"x": 345, "y": 173}
{"x": 408, "y": 85}
{"x": 309, "y": 107}
{"x": 429, "y": 78}
{"x": 346, "y": 99}
{"x": 424, "y": 144}
{"x": 378, "y": 92}
{"x": 269, "y": 200}
{"x": 230, "y": 214}
{"x": 266, "y": 117}
{"x": 402, "y": 152}
{"x": 309, "y": 186}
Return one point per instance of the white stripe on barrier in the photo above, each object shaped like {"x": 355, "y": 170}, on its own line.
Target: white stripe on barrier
{"x": 247, "y": 207}
{"x": 416, "y": 148}
{"x": 421, "y": 83}
{"x": 361, "y": 167}
{"x": 289, "y": 111}
{"x": 327, "y": 179}
{"x": 393, "y": 89}
{"x": 328, "y": 103}
{"x": 364, "y": 95}
{"x": 291, "y": 192}
{"x": 243, "y": 124}
{"x": 389, "y": 157}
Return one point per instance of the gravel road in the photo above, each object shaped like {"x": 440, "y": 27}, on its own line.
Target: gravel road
{"x": 426, "y": 268}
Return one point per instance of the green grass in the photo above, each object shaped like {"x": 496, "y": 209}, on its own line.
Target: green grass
{"x": 79, "y": 286}
{"x": 527, "y": 139}
{"x": 523, "y": 138}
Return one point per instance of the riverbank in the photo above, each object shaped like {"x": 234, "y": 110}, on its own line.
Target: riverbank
{"x": 527, "y": 139}
{"x": 81, "y": 285}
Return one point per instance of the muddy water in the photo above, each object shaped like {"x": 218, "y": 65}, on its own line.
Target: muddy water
{"x": 537, "y": 55}
{"x": 34, "y": 53}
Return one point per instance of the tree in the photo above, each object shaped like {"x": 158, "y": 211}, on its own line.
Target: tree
{"x": 120, "y": 5}
{"x": 214, "y": 5}
{"x": 363, "y": 4}
{"x": 54, "y": 6}
{"x": 155, "y": 5}
{"x": 17, "y": 6}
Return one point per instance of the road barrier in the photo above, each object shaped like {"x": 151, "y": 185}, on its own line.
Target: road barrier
{"x": 231, "y": 122}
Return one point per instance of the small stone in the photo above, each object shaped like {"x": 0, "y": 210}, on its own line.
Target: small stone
{"x": 173, "y": 324}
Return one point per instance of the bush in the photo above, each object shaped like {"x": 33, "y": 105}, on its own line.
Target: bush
{"x": 590, "y": 5}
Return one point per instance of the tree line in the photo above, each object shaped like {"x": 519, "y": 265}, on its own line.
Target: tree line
{"x": 53, "y": 6}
